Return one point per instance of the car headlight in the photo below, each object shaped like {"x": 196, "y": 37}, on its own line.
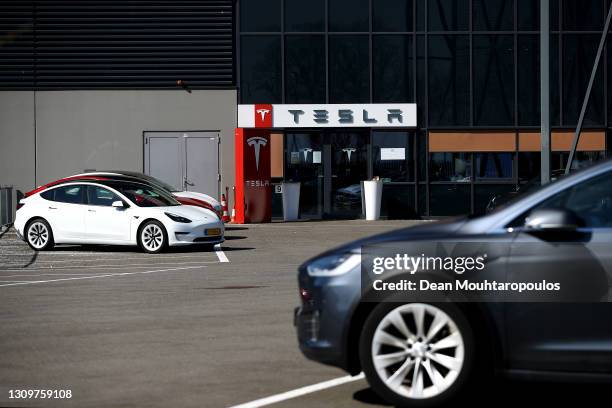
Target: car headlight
{"x": 178, "y": 218}
{"x": 334, "y": 265}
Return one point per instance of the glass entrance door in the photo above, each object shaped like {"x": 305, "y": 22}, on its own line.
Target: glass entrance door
{"x": 330, "y": 168}
{"x": 346, "y": 168}
{"x": 304, "y": 163}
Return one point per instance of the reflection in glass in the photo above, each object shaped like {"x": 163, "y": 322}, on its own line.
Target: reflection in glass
{"x": 305, "y": 69}
{"x": 260, "y": 15}
{"x": 494, "y": 88}
{"x": 493, "y": 165}
{"x": 493, "y": 15}
{"x": 579, "y": 52}
{"x": 392, "y": 156}
{"x": 528, "y": 76}
{"x": 449, "y": 80}
{"x": 455, "y": 167}
{"x": 397, "y": 201}
{"x": 448, "y": 15}
{"x": 348, "y": 15}
{"x": 349, "y": 168}
{"x": 449, "y": 199}
{"x": 260, "y": 65}
{"x": 303, "y": 163}
{"x": 349, "y": 69}
{"x": 392, "y": 15}
{"x": 304, "y": 16}
{"x": 393, "y": 68}
{"x": 583, "y": 15}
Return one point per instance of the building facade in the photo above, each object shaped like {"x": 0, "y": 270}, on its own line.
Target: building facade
{"x": 131, "y": 85}
{"x": 156, "y": 87}
{"x": 470, "y": 66}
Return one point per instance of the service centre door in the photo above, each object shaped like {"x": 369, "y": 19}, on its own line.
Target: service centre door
{"x": 185, "y": 160}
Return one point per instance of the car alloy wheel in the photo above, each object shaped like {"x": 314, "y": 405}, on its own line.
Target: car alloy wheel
{"x": 39, "y": 235}
{"x": 152, "y": 237}
{"x": 416, "y": 354}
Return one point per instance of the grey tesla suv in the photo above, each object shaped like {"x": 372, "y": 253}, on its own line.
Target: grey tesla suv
{"x": 421, "y": 353}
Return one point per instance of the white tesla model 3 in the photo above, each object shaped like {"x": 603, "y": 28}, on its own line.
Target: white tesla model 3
{"x": 113, "y": 212}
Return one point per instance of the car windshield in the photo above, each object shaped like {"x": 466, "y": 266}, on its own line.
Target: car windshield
{"x": 145, "y": 195}
{"x": 159, "y": 183}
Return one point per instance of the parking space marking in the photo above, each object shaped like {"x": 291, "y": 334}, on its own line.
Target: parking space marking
{"x": 44, "y": 268}
{"x": 106, "y": 275}
{"x": 309, "y": 389}
{"x": 220, "y": 254}
{"x": 143, "y": 258}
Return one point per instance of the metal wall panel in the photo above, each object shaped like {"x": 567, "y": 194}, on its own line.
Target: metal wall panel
{"x": 136, "y": 44}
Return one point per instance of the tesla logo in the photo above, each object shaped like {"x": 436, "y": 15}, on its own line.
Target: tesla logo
{"x": 256, "y": 142}
{"x": 349, "y": 151}
{"x": 263, "y": 116}
{"x": 306, "y": 150}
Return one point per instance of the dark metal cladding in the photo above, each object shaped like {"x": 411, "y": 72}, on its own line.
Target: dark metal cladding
{"x": 116, "y": 44}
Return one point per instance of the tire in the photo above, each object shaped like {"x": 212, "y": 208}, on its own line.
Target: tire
{"x": 152, "y": 237}
{"x": 442, "y": 372}
{"x": 38, "y": 235}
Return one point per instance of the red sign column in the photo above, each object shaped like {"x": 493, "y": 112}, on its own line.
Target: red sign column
{"x": 253, "y": 180}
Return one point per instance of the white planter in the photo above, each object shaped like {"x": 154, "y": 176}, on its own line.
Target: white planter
{"x": 291, "y": 201}
{"x": 372, "y": 191}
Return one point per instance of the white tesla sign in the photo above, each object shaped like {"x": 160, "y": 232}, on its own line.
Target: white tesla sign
{"x": 328, "y": 115}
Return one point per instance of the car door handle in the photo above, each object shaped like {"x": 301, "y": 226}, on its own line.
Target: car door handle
{"x": 91, "y": 210}
{"x": 53, "y": 208}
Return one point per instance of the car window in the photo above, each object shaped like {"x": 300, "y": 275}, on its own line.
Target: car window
{"x": 101, "y": 196}
{"x": 73, "y": 194}
{"x": 145, "y": 195}
{"x": 591, "y": 200}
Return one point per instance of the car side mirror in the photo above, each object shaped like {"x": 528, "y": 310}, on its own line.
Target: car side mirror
{"x": 559, "y": 220}
{"x": 117, "y": 204}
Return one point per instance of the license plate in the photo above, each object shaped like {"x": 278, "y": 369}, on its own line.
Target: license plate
{"x": 212, "y": 231}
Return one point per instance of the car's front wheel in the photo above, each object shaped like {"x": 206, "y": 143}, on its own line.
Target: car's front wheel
{"x": 152, "y": 237}
{"x": 416, "y": 354}
{"x": 39, "y": 235}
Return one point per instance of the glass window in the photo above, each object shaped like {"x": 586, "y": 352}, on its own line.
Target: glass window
{"x": 305, "y": 69}
{"x": 591, "y": 200}
{"x": 528, "y": 15}
{"x": 528, "y": 76}
{"x": 494, "y": 79}
{"x": 449, "y": 80}
{"x": 421, "y": 81}
{"x": 494, "y": 165}
{"x": 101, "y": 196}
{"x": 393, "y": 68}
{"x": 303, "y": 15}
{"x": 393, "y": 155}
{"x": 145, "y": 195}
{"x": 579, "y": 52}
{"x": 260, "y": 64}
{"x": 73, "y": 194}
{"x": 493, "y": 15}
{"x": 529, "y": 166}
{"x": 449, "y": 199}
{"x": 450, "y": 167}
{"x": 555, "y": 96}
{"x": 349, "y": 69}
{"x": 583, "y": 15}
{"x": 392, "y": 15}
{"x": 448, "y": 15}
{"x": 260, "y": 15}
{"x": 490, "y": 196}
{"x": 349, "y": 15}
{"x": 397, "y": 202}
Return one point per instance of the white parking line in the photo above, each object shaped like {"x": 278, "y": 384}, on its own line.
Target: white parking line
{"x": 107, "y": 275}
{"x": 45, "y": 268}
{"x": 142, "y": 258}
{"x": 299, "y": 392}
{"x": 220, "y": 253}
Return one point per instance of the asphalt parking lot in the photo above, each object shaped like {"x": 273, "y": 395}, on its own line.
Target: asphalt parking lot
{"x": 185, "y": 328}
